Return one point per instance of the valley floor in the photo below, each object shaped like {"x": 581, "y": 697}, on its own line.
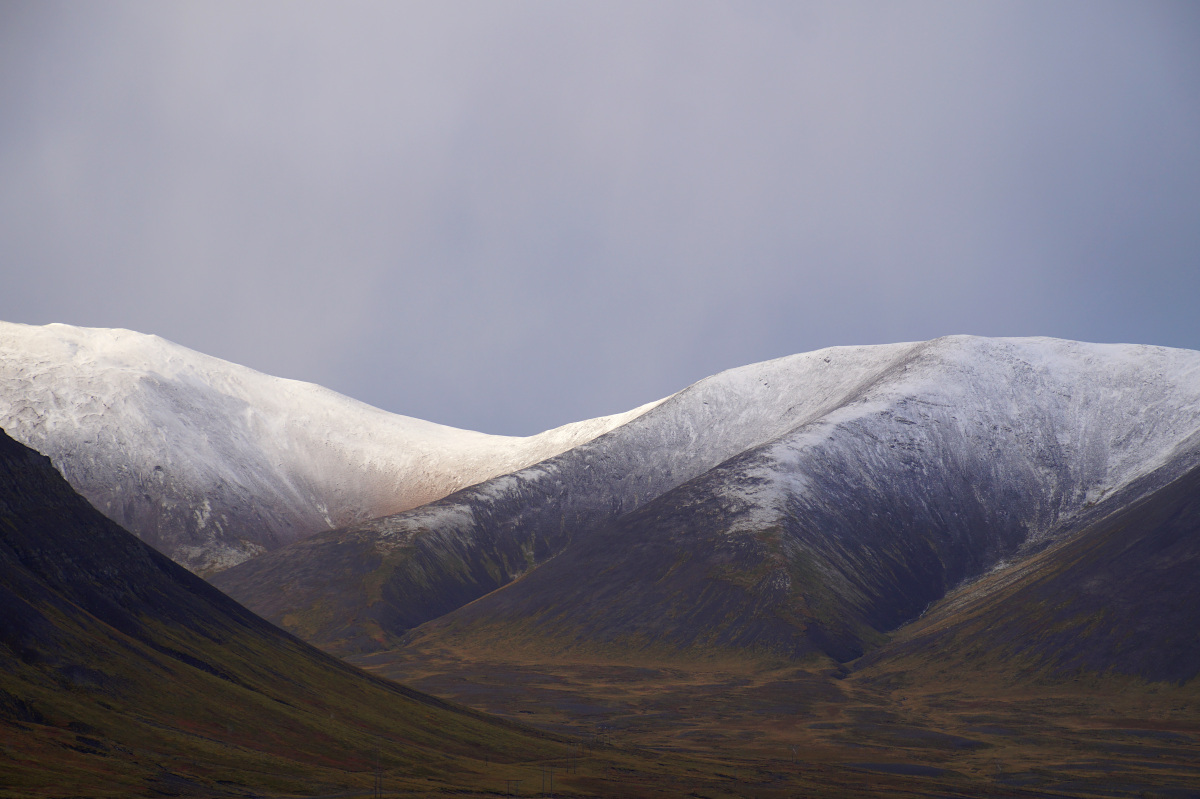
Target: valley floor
{"x": 739, "y": 728}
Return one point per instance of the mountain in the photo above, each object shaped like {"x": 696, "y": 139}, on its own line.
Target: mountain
{"x": 1121, "y": 597}
{"x": 213, "y": 463}
{"x": 804, "y": 507}
{"x": 962, "y": 567}
{"x": 122, "y": 674}
{"x": 353, "y": 588}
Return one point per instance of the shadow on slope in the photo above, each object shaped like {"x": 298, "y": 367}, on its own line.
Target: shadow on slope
{"x": 818, "y": 549}
{"x": 123, "y": 674}
{"x": 1121, "y": 597}
{"x": 1071, "y": 673}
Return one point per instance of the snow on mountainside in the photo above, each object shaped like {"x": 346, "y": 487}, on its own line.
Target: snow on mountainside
{"x": 1066, "y": 421}
{"x": 213, "y": 463}
{"x": 848, "y": 486}
{"x": 968, "y": 454}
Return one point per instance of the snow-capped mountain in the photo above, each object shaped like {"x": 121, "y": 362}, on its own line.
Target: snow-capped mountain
{"x": 806, "y": 505}
{"x": 803, "y": 505}
{"x": 213, "y": 463}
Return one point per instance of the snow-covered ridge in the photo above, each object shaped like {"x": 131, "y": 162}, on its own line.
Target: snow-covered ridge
{"x": 212, "y": 462}
{"x": 883, "y": 474}
{"x": 1064, "y": 424}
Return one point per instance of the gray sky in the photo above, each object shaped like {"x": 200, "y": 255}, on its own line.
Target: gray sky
{"x": 508, "y": 216}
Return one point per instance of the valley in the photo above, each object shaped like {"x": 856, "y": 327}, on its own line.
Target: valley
{"x": 775, "y": 729}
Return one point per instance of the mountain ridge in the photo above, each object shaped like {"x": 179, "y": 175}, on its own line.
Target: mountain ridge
{"x": 212, "y": 462}
{"x": 540, "y": 507}
{"x": 951, "y": 553}
{"x": 934, "y": 463}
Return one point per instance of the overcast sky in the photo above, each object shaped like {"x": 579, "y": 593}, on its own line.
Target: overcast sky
{"x": 510, "y": 215}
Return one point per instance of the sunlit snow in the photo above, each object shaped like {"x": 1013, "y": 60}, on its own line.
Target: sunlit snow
{"x": 211, "y": 462}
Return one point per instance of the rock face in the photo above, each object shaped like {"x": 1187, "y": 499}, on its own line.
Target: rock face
{"x": 213, "y": 463}
{"x": 804, "y": 506}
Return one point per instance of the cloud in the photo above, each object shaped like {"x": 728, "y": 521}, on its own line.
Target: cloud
{"x": 509, "y": 216}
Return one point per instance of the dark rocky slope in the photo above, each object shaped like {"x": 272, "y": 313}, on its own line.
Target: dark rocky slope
{"x": 123, "y": 674}
{"x": 1120, "y": 597}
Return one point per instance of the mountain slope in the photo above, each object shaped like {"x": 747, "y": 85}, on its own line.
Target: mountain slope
{"x": 123, "y": 674}
{"x": 822, "y": 541}
{"x": 1120, "y": 597}
{"x": 213, "y": 463}
{"x": 355, "y": 587}
{"x": 834, "y": 501}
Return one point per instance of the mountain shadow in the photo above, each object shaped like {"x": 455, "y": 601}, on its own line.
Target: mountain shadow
{"x": 121, "y": 674}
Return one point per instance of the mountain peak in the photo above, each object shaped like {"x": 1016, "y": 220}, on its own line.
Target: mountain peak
{"x": 212, "y": 462}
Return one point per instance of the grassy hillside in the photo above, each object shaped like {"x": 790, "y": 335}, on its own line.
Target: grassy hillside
{"x": 123, "y": 674}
